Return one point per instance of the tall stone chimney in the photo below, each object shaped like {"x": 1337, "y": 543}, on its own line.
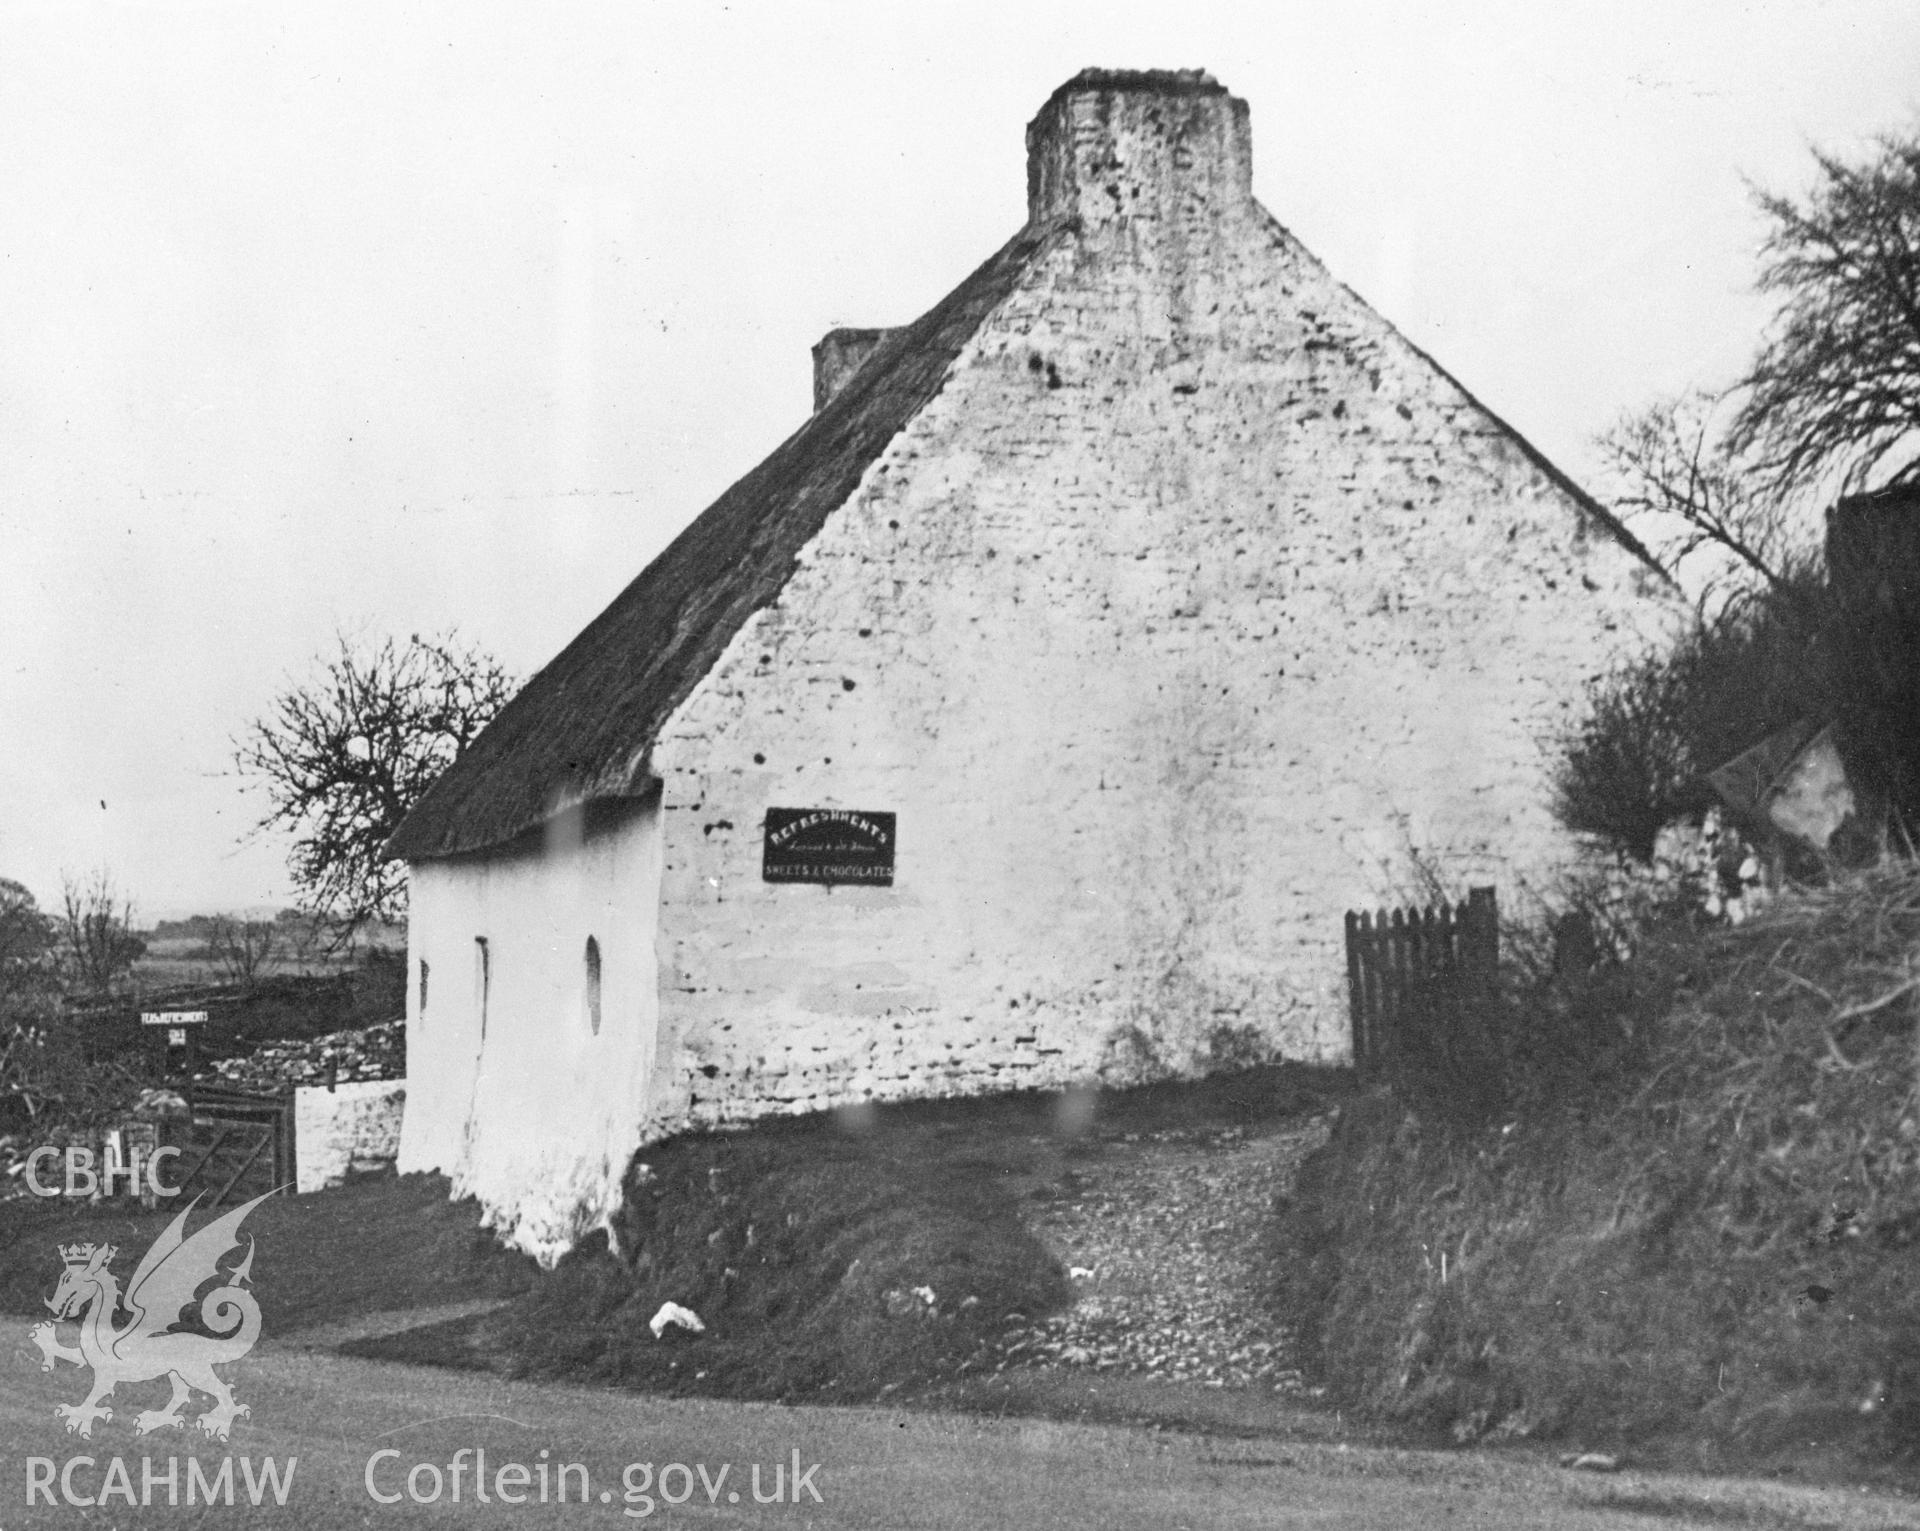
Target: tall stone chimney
{"x": 1117, "y": 145}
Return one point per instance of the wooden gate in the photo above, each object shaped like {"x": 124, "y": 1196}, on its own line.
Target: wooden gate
{"x": 237, "y": 1147}
{"x": 1420, "y": 981}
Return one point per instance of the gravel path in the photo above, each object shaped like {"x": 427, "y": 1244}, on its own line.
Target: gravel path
{"x": 1162, "y": 1234}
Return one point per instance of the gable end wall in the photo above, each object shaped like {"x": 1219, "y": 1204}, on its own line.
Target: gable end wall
{"x": 1192, "y": 610}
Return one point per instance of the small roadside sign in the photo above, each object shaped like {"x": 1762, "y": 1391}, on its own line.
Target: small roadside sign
{"x": 174, "y": 1018}
{"x": 182, "y": 1058}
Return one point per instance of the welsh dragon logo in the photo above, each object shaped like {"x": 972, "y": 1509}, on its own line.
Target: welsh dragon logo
{"x": 152, "y": 1343}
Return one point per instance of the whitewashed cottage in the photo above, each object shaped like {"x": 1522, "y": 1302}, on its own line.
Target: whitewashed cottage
{"x": 1030, "y": 716}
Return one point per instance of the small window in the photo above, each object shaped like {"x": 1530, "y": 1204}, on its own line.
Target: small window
{"x": 423, "y": 988}
{"x": 482, "y": 980}
{"x": 593, "y": 985}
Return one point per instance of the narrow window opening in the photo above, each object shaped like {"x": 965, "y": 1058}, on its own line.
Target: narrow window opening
{"x": 482, "y": 980}
{"x": 593, "y": 985}
{"x": 423, "y": 988}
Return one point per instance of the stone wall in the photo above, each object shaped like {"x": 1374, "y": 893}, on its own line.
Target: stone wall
{"x": 352, "y": 1127}
{"x": 1194, "y": 608}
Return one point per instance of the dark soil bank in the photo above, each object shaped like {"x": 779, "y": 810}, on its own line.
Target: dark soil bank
{"x": 1707, "y": 1258}
{"x": 855, "y": 1255}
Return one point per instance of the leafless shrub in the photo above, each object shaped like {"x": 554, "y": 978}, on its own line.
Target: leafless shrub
{"x": 244, "y": 949}
{"x": 46, "y": 1074}
{"x": 1638, "y": 756}
{"x": 29, "y": 954}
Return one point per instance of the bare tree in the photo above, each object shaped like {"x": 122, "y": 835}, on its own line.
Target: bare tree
{"x": 1710, "y": 518}
{"x": 244, "y": 948}
{"x": 344, "y": 756}
{"x": 1835, "y": 391}
{"x": 98, "y": 946}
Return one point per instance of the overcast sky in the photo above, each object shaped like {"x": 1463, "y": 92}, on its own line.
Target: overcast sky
{"x": 382, "y": 318}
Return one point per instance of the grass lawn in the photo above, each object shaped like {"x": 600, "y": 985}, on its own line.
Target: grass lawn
{"x": 337, "y": 1254}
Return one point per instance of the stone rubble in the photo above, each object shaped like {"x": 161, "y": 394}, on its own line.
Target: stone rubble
{"x": 340, "y": 1057}
{"x": 1162, "y": 1236}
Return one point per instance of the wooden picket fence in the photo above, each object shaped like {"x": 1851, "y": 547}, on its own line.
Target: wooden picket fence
{"x": 1420, "y": 981}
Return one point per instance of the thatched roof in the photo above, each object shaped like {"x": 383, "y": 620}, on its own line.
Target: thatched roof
{"x": 581, "y": 729}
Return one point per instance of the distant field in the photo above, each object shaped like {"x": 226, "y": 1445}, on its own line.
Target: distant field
{"x": 182, "y": 952}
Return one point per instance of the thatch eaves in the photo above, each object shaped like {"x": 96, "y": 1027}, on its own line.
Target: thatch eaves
{"x": 582, "y": 728}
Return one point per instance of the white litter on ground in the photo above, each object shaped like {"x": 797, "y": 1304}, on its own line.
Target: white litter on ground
{"x": 672, "y": 1314}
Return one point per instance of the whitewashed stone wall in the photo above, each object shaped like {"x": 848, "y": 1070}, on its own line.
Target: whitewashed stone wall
{"x": 541, "y": 1123}
{"x": 353, "y": 1125}
{"x": 1194, "y": 606}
